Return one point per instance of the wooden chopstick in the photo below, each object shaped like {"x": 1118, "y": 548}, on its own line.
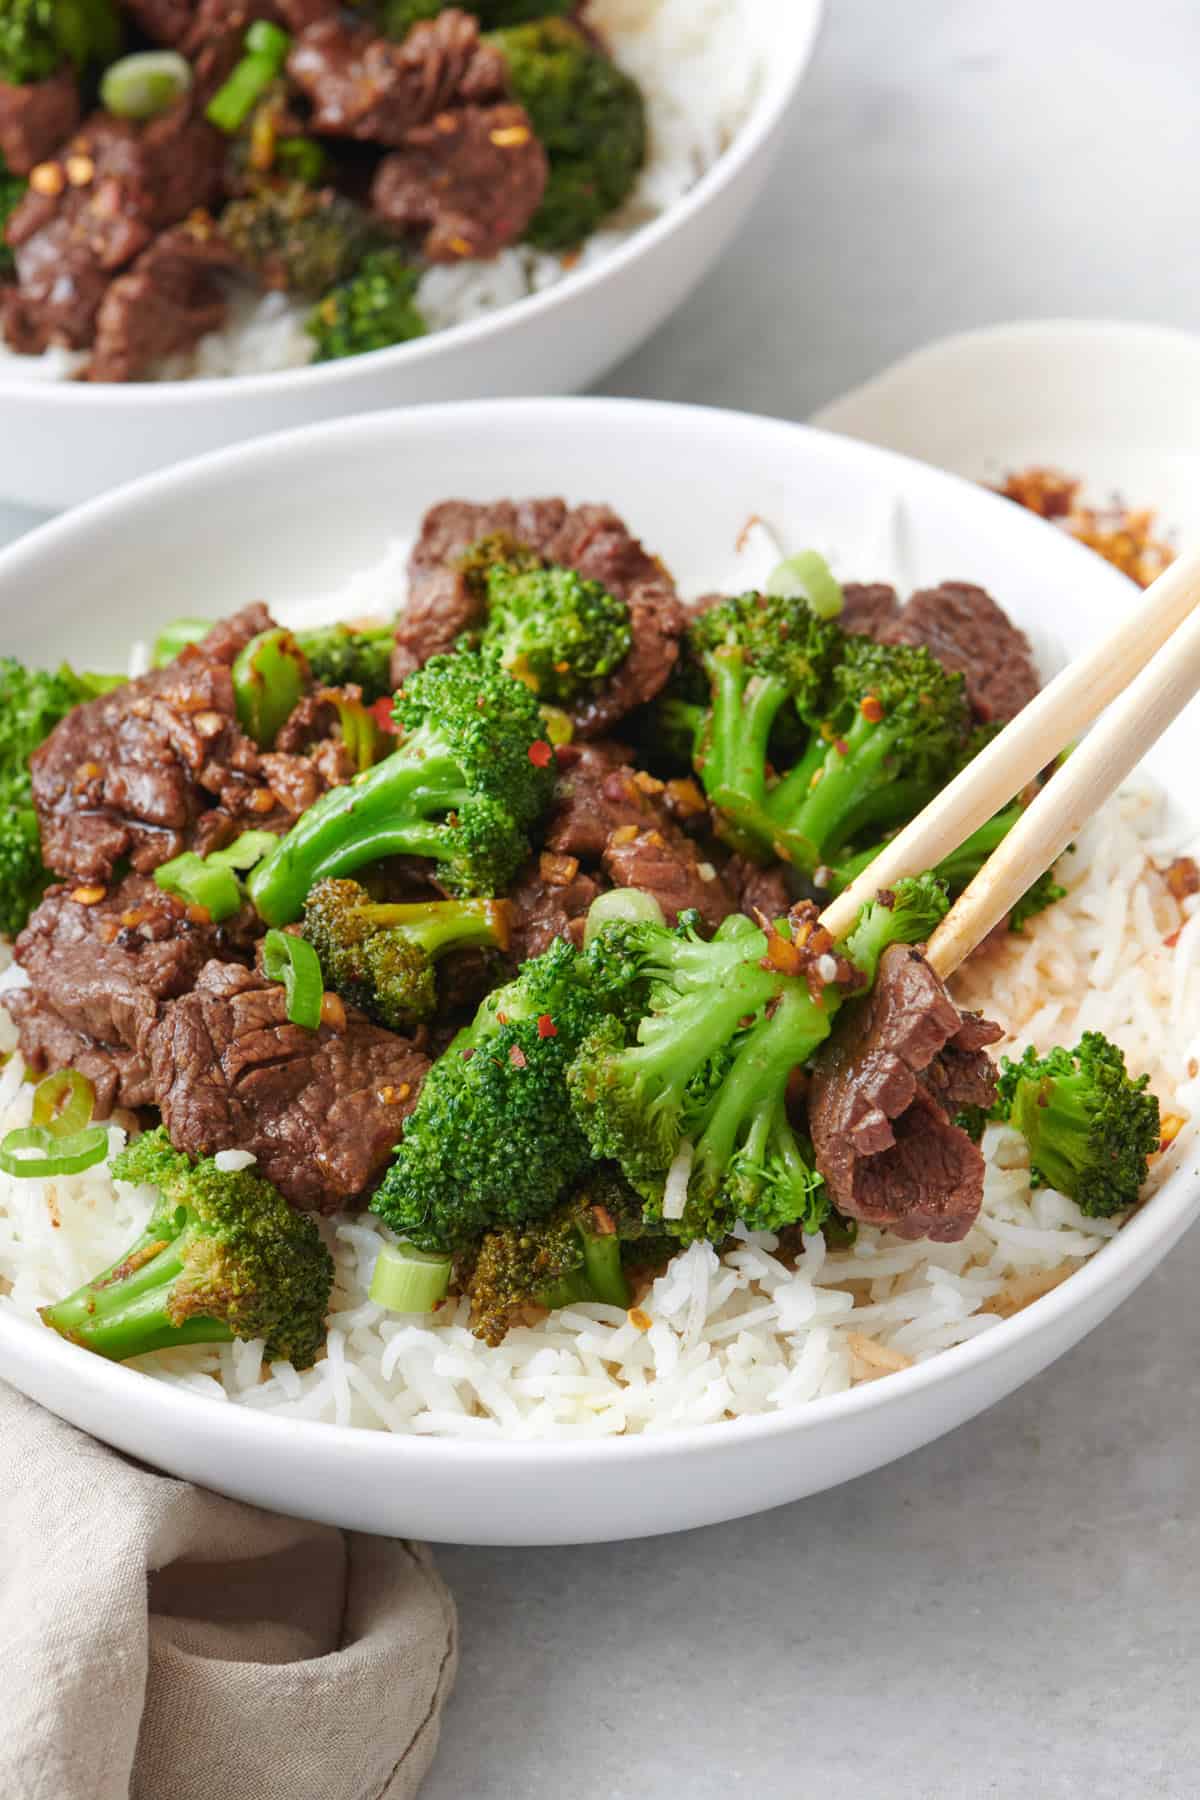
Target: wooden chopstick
{"x": 1069, "y": 799}
{"x": 1051, "y": 721}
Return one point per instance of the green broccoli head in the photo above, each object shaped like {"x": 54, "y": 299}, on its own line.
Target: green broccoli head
{"x": 1089, "y": 1126}
{"x": 38, "y": 36}
{"x": 23, "y": 878}
{"x": 296, "y": 238}
{"x": 491, "y": 1142}
{"x": 382, "y": 958}
{"x": 223, "y": 1256}
{"x": 472, "y": 773}
{"x": 589, "y": 116}
{"x": 907, "y": 913}
{"x": 691, "y": 1100}
{"x": 374, "y": 308}
{"x": 339, "y": 656}
{"x": 552, "y": 629}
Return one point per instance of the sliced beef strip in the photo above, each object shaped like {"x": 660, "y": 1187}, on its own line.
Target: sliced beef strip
{"x": 965, "y": 629}
{"x": 119, "y": 1076}
{"x": 121, "y": 185}
{"x": 591, "y": 539}
{"x": 321, "y": 1110}
{"x": 136, "y": 772}
{"x": 868, "y": 607}
{"x": 470, "y": 180}
{"x": 107, "y": 966}
{"x": 596, "y": 793}
{"x": 36, "y": 118}
{"x": 878, "y": 1104}
{"x": 172, "y": 296}
{"x": 363, "y": 86}
{"x": 661, "y": 861}
{"x": 229, "y": 637}
{"x": 759, "y": 891}
{"x": 550, "y": 899}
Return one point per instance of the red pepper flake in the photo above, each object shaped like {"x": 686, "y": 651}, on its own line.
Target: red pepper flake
{"x": 517, "y": 1057}
{"x": 501, "y": 1018}
{"x": 467, "y": 1055}
{"x": 381, "y": 712}
{"x": 840, "y": 744}
{"x": 870, "y": 709}
{"x": 541, "y": 754}
{"x": 546, "y": 1026}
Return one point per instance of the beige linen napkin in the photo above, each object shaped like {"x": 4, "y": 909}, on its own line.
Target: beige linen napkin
{"x": 160, "y": 1643}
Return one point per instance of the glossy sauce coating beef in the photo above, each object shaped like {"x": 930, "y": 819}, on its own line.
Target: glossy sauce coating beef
{"x": 363, "y": 86}
{"x": 36, "y": 118}
{"x": 100, "y": 971}
{"x": 322, "y": 1111}
{"x": 469, "y": 180}
{"x": 900, "y": 1063}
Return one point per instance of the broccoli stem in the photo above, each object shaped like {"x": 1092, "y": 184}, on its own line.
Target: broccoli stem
{"x": 851, "y": 794}
{"x": 744, "y": 709}
{"x": 764, "y": 1061}
{"x": 122, "y": 1312}
{"x": 386, "y": 812}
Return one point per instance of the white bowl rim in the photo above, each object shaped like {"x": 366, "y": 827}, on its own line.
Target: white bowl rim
{"x": 764, "y": 119}
{"x": 1163, "y": 1216}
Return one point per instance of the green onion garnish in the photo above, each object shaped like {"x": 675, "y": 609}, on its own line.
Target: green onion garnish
{"x": 407, "y": 1280}
{"x": 201, "y": 883}
{"x": 245, "y": 852}
{"x": 63, "y": 1103}
{"x": 628, "y": 906}
{"x": 33, "y": 1153}
{"x": 268, "y": 680}
{"x": 146, "y": 84}
{"x": 232, "y": 104}
{"x": 808, "y": 577}
{"x": 295, "y": 963}
{"x": 175, "y": 637}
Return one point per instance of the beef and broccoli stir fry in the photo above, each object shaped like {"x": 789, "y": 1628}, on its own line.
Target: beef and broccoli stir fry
{"x": 153, "y": 154}
{"x": 504, "y": 920}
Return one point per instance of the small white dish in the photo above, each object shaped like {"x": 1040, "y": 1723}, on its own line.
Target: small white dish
{"x": 1117, "y": 405}
{"x": 294, "y": 516}
{"x": 62, "y": 442}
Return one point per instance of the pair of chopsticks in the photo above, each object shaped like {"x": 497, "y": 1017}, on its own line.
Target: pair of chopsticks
{"x": 1149, "y": 666}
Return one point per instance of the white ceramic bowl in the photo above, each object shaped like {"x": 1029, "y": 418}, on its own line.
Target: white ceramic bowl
{"x": 292, "y": 517}
{"x": 63, "y": 442}
{"x": 1116, "y": 404}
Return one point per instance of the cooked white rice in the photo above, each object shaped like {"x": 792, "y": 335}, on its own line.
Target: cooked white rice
{"x": 715, "y": 1338}
{"x": 700, "y": 66}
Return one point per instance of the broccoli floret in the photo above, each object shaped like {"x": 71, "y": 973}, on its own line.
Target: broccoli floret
{"x": 700, "y": 1094}
{"x": 296, "y": 238}
{"x": 589, "y": 116}
{"x": 339, "y": 656}
{"x": 548, "y": 626}
{"x": 492, "y": 1142}
{"x": 472, "y": 774}
{"x": 12, "y": 192}
{"x": 382, "y": 957}
{"x": 374, "y": 308}
{"x": 32, "y": 701}
{"x": 38, "y": 36}
{"x": 1089, "y": 1126}
{"x": 573, "y": 1255}
{"x": 223, "y": 1256}
{"x": 890, "y": 724}
{"x": 908, "y": 913}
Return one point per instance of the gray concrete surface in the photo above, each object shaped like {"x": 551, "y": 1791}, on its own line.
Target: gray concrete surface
{"x": 1016, "y": 1610}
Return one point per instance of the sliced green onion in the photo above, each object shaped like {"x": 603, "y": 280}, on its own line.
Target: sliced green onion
{"x": 268, "y": 679}
{"x": 33, "y": 1153}
{"x": 808, "y": 576}
{"x": 626, "y": 905}
{"x": 201, "y": 883}
{"x": 232, "y": 104}
{"x": 295, "y": 963}
{"x": 265, "y": 39}
{"x": 146, "y": 84}
{"x": 301, "y": 158}
{"x": 245, "y": 852}
{"x": 63, "y": 1103}
{"x": 408, "y": 1280}
{"x": 560, "y": 728}
{"x": 176, "y": 636}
